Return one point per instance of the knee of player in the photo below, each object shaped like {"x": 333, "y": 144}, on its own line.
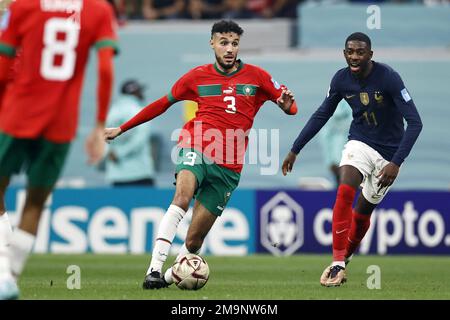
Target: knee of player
{"x": 182, "y": 200}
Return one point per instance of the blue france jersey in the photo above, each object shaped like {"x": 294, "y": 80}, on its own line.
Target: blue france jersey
{"x": 379, "y": 104}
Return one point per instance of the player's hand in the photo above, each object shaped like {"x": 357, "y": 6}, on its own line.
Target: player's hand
{"x": 285, "y": 100}
{"x": 95, "y": 145}
{"x": 387, "y": 175}
{"x": 112, "y": 133}
{"x": 288, "y": 163}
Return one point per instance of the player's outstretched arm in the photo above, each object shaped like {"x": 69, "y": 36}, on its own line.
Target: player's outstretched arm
{"x": 148, "y": 113}
{"x": 286, "y": 102}
{"x": 288, "y": 163}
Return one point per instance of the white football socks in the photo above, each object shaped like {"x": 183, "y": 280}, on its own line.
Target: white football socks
{"x": 5, "y": 236}
{"x": 5, "y": 229}
{"x": 20, "y": 248}
{"x": 166, "y": 231}
{"x": 5, "y": 266}
{"x": 168, "y": 276}
{"x": 338, "y": 263}
{"x": 183, "y": 251}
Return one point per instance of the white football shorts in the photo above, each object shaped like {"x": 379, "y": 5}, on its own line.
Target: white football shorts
{"x": 369, "y": 162}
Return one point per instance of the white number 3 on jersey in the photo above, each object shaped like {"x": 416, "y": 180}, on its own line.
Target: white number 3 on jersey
{"x": 231, "y": 106}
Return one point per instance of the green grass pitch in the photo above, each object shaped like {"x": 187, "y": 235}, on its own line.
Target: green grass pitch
{"x": 252, "y": 277}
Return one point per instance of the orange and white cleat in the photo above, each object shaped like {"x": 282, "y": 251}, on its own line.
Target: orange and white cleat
{"x": 325, "y": 275}
{"x": 336, "y": 276}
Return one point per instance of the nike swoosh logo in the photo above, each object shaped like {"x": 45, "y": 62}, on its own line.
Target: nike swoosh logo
{"x": 340, "y": 231}
{"x": 349, "y": 96}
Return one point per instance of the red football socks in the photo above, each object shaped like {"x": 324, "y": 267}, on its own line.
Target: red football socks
{"x": 360, "y": 225}
{"x": 342, "y": 217}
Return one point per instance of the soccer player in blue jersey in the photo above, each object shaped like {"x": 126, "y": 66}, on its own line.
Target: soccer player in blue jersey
{"x": 377, "y": 144}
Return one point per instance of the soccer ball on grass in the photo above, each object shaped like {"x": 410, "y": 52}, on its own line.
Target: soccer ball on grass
{"x": 190, "y": 272}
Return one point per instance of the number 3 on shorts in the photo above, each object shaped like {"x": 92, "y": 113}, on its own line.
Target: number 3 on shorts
{"x": 191, "y": 156}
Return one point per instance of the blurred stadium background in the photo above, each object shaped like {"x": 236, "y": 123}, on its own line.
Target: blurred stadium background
{"x": 303, "y": 54}
{"x": 86, "y": 215}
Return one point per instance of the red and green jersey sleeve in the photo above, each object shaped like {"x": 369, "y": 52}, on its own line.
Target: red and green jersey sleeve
{"x": 270, "y": 88}
{"x": 184, "y": 88}
{"x": 107, "y": 26}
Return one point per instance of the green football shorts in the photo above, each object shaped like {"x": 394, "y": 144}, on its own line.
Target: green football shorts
{"x": 41, "y": 159}
{"x": 215, "y": 184}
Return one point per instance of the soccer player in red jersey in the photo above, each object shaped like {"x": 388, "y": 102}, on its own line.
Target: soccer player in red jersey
{"x": 39, "y": 107}
{"x": 229, "y": 93}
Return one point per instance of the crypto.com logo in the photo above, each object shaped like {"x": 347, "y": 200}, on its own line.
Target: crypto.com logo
{"x": 282, "y": 226}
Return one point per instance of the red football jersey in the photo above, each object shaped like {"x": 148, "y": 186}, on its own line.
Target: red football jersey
{"x": 227, "y": 106}
{"x": 54, "y": 38}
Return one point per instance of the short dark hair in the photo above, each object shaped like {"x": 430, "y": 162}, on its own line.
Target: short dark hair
{"x": 225, "y": 26}
{"x": 131, "y": 86}
{"x": 359, "y": 36}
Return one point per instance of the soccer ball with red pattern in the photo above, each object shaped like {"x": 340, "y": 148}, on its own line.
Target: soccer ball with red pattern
{"x": 190, "y": 272}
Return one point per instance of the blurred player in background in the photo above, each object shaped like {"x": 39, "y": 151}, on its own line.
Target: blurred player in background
{"x": 39, "y": 107}
{"x": 378, "y": 144}
{"x": 129, "y": 161}
{"x": 229, "y": 93}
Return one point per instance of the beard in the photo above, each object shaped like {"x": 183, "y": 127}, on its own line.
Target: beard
{"x": 224, "y": 65}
